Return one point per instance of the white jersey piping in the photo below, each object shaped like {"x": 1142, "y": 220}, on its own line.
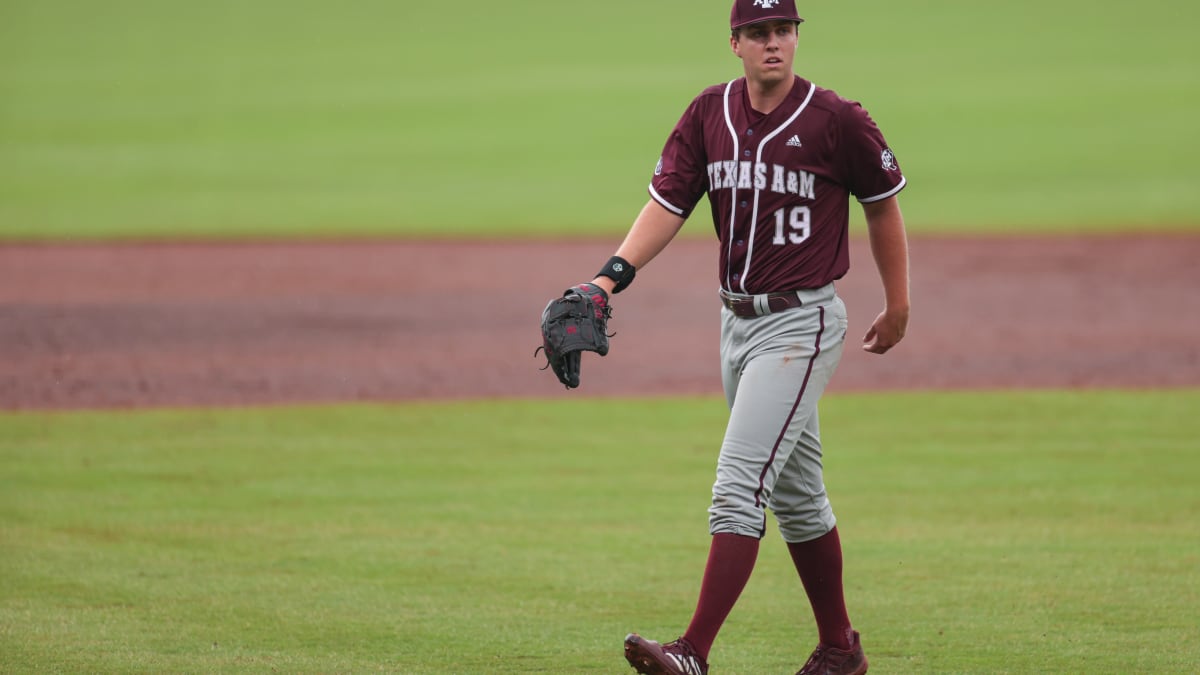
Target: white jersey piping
{"x": 664, "y": 203}
{"x": 758, "y": 159}
{"x": 889, "y": 193}
{"x": 733, "y": 195}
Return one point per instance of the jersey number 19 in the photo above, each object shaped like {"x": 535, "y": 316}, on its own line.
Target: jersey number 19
{"x": 798, "y": 221}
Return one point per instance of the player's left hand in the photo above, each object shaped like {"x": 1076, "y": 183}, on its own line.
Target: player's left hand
{"x": 886, "y": 332}
{"x": 572, "y": 324}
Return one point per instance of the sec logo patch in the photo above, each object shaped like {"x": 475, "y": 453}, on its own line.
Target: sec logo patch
{"x": 888, "y": 160}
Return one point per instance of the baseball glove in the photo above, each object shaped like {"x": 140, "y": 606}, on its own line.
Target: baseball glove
{"x": 572, "y": 324}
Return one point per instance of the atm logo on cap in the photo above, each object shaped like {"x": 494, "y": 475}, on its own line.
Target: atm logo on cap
{"x": 766, "y": 4}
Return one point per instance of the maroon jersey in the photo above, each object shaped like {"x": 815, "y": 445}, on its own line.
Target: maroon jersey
{"x": 778, "y": 184}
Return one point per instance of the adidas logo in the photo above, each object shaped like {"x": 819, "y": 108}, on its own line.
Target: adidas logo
{"x": 794, "y": 142}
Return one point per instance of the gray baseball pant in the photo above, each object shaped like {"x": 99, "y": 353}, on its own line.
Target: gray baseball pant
{"x": 775, "y": 369}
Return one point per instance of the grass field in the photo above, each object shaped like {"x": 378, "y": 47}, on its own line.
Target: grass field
{"x": 139, "y": 118}
{"x": 985, "y": 533}
{"x": 995, "y": 533}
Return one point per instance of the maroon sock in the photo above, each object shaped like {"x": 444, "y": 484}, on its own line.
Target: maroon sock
{"x": 731, "y": 559}
{"x": 819, "y": 563}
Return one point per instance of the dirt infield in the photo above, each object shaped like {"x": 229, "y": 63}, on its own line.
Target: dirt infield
{"x": 87, "y": 326}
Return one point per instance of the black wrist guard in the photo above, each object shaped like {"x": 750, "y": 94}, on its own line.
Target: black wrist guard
{"x": 619, "y": 270}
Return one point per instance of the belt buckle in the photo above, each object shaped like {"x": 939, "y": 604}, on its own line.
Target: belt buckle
{"x": 731, "y": 303}
{"x": 748, "y": 307}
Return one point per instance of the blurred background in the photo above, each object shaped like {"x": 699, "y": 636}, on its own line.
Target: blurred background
{"x": 1006, "y": 531}
{"x": 133, "y": 118}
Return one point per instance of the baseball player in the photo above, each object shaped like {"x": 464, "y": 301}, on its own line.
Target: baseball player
{"x": 779, "y": 157}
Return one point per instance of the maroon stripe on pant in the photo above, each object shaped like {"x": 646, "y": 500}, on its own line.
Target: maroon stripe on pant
{"x": 762, "y": 477}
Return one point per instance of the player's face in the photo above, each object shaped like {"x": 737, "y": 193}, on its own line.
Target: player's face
{"x": 767, "y": 50}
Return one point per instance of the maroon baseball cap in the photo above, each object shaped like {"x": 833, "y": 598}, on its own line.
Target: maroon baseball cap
{"x": 746, "y": 12}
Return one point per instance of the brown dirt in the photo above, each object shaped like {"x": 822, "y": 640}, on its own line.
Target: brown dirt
{"x": 91, "y": 326}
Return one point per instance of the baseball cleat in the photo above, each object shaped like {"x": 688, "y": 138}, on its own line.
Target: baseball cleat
{"x": 674, "y": 658}
{"x": 827, "y": 660}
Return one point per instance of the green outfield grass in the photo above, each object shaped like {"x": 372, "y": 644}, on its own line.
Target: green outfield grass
{"x": 271, "y": 118}
{"x": 993, "y": 533}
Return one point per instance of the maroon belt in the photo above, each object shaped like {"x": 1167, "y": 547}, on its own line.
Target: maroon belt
{"x": 755, "y": 306}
